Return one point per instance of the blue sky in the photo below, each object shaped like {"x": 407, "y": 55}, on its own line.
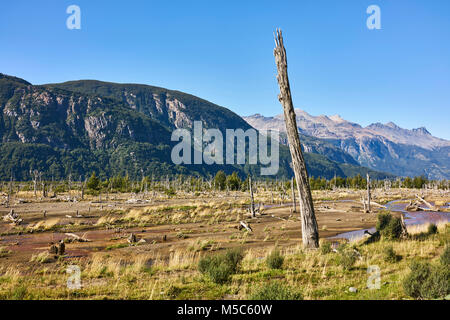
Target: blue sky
{"x": 222, "y": 51}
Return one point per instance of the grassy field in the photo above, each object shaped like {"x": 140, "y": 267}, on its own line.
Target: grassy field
{"x": 179, "y": 234}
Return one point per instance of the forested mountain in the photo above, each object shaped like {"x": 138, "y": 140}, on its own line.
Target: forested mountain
{"x": 84, "y": 126}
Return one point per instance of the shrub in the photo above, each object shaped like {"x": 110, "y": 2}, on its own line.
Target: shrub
{"x": 93, "y": 182}
{"x": 219, "y": 268}
{"x": 427, "y": 281}
{"x": 275, "y": 291}
{"x": 445, "y": 257}
{"x": 391, "y": 228}
{"x": 432, "y": 229}
{"x": 347, "y": 257}
{"x": 325, "y": 247}
{"x": 383, "y": 220}
{"x": 390, "y": 255}
{"x": 275, "y": 260}
{"x": 173, "y": 291}
{"x": 233, "y": 258}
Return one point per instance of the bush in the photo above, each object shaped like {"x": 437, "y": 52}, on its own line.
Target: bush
{"x": 233, "y": 258}
{"x": 325, "y": 248}
{"x": 426, "y": 281}
{"x": 275, "y": 291}
{"x": 388, "y": 226}
{"x": 383, "y": 220}
{"x": 347, "y": 257}
{"x": 173, "y": 291}
{"x": 93, "y": 182}
{"x": 390, "y": 255}
{"x": 432, "y": 229}
{"x": 445, "y": 257}
{"x": 219, "y": 268}
{"x": 275, "y": 260}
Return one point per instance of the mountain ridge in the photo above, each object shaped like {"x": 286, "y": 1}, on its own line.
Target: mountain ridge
{"x": 385, "y": 147}
{"x": 83, "y": 126}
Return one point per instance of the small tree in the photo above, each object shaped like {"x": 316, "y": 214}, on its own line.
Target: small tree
{"x": 233, "y": 181}
{"x": 93, "y": 182}
{"x": 220, "y": 180}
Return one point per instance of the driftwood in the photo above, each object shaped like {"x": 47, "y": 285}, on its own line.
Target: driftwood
{"x": 413, "y": 206}
{"x": 78, "y": 238}
{"x": 13, "y": 217}
{"x": 310, "y": 234}
{"x": 279, "y": 218}
{"x": 242, "y": 224}
{"x": 429, "y": 205}
{"x": 376, "y": 204}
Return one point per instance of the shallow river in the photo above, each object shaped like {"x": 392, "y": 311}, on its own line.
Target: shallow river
{"x": 411, "y": 218}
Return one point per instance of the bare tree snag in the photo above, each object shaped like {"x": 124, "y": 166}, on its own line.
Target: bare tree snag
{"x": 364, "y": 204}
{"x": 368, "y": 192}
{"x": 252, "y": 204}
{"x": 404, "y": 233}
{"x": 83, "y": 185}
{"x": 310, "y": 234}
{"x": 294, "y": 204}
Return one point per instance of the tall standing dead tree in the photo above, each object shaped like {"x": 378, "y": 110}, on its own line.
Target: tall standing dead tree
{"x": 310, "y": 234}
{"x": 252, "y": 203}
{"x": 368, "y": 192}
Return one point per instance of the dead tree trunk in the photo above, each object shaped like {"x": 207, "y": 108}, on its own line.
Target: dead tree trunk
{"x": 8, "y": 200}
{"x": 44, "y": 190}
{"x": 294, "y": 204}
{"x": 252, "y": 204}
{"x": 83, "y": 185}
{"x": 35, "y": 183}
{"x": 310, "y": 234}
{"x": 368, "y": 192}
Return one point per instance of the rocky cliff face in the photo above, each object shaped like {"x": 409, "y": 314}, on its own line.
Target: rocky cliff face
{"x": 172, "y": 108}
{"x": 67, "y": 120}
{"x": 385, "y": 147}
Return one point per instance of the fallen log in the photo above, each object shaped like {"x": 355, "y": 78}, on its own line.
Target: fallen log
{"x": 246, "y": 226}
{"x": 433, "y": 208}
{"x": 78, "y": 238}
{"x": 279, "y": 218}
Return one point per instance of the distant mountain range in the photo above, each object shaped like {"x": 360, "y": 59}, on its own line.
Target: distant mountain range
{"x": 82, "y": 126}
{"x": 382, "y": 147}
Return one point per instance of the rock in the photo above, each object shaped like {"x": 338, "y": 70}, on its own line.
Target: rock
{"x": 352, "y": 289}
